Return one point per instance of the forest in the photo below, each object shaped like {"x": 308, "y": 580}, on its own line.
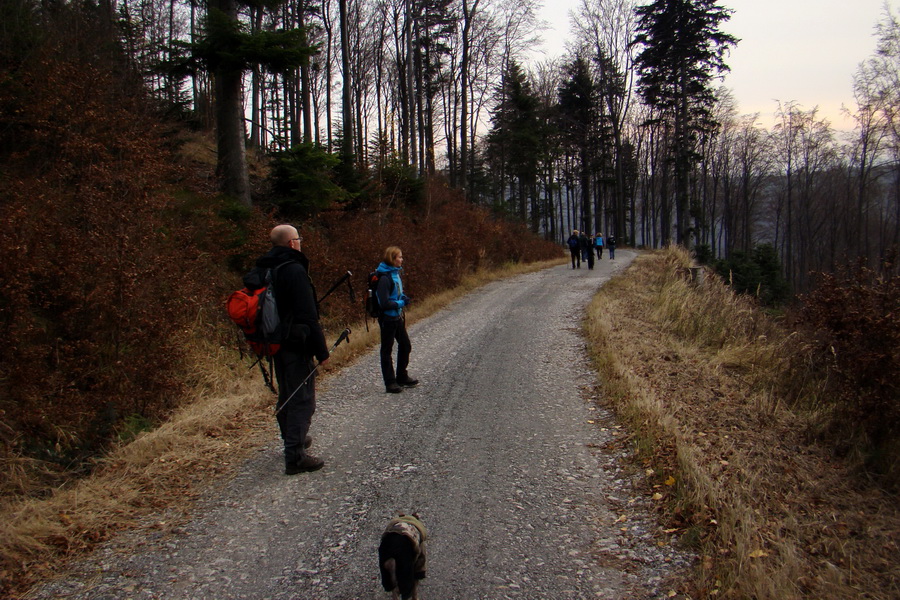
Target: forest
{"x": 628, "y": 134}
{"x": 147, "y": 146}
{"x": 332, "y": 113}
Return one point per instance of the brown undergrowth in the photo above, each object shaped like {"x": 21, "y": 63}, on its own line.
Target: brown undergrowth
{"x": 703, "y": 379}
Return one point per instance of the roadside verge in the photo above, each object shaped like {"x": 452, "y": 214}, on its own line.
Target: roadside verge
{"x": 772, "y": 514}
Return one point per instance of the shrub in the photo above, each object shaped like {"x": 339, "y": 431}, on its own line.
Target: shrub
{"x": 852, "y": 320}
{"x": 757, "y": 273}
{"x": 398, "y": 186}
{"x": 703, "y": 254}
{"x": 303, "y": 181}
{"x": 103, "y": 271}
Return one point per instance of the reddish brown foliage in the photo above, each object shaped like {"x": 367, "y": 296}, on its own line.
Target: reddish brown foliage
{"x": 854, "y": 320}
{"x": 95, "y": 274}
{"x": 455, "y": 239}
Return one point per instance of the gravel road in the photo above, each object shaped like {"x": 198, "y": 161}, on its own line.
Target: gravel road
{"x": 501, "y": 449}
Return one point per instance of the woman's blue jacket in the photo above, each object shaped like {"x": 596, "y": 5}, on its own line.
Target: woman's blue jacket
{"x": 390, "y": 291}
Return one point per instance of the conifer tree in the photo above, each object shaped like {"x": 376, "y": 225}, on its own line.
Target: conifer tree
{"x": 683, "y": 51}
{"x": 578, "y": 123}
{"x": 517, "y": 138}
{"x": 227, "y": 50}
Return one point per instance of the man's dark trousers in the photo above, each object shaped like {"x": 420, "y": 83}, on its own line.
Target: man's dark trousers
{"x": 291, "y": 368}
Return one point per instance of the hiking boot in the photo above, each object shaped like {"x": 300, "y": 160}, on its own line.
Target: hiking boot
{"x": 393, "y": 388}
{"x": 308, "y": 441}
{"x": 305, "y": 465}
{"x": 408, "y": 381}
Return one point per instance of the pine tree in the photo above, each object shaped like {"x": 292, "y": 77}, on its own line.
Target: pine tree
{"x": 227, "y": 50}
{"x": 683, "y": 51}
{"x": 579, "y": 124}
{"x": 516, "y": 139}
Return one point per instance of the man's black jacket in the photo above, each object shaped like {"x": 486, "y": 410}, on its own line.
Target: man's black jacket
{"x": 296, "y": 298}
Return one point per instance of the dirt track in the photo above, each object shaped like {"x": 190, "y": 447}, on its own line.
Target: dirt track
{"x": 501, "y": 449}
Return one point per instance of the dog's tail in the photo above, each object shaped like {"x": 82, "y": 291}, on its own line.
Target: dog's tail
{"x": 389, "y": 574}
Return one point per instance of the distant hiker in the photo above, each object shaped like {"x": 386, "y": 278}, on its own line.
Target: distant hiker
{"x": 585, "y": 244}
{"x": 392, "y": 321}
{"x": 611, "y": 246}
{"x": 598, "y": 244}
{"x": 296, "y": 300}
{"x": 574, "y": 248}
{"x": 590, "y": 254}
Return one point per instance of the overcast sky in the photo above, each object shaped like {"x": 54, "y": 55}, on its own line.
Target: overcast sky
{"x": 790, "y": 50}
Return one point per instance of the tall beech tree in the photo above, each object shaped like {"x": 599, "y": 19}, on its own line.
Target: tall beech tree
{"x": 683, "y": 50}
{"x": 606, "y": 28}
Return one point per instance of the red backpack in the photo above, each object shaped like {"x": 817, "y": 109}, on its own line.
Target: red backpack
{"x": 254, "y": 311}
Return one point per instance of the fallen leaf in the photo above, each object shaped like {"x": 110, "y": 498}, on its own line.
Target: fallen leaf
{"x": 670, "y": 480}
{"x": 657, "y": 496}
{"x": 758, "y": 554}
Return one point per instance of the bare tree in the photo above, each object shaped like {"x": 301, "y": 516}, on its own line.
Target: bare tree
{"x": 607, "y": 27}
{"x": 347, "y": 144}
{"x": 807, "y": 157}
{"x": 878, "y": 86}
{"x": 469, "y": 9}
{"x": 867, "y": 149}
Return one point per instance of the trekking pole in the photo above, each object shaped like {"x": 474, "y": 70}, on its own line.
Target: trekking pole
{"x": 345, "y": 277}
{"x": 345, "y": 335}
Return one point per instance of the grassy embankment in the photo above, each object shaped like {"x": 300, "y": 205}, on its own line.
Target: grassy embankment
{"x": 701, "y": 378}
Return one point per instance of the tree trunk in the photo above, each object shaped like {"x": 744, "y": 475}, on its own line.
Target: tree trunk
{"x": 230, "y": 137}
{"x": 347, "y": 145}
{"x": 329, "y": 37}
{"x": 305, "y": 96}
{"x": 468, "y": 17}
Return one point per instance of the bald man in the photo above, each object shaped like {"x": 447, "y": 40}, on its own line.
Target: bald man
{"x": 295, "y": 296}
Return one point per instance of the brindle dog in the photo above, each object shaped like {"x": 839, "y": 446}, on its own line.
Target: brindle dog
{"x": 401, "y": 556}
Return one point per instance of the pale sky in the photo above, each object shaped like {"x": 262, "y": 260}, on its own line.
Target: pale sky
{"x": 790, "y": 50}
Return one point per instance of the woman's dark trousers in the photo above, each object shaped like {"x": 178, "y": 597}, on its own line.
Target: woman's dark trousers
{"x": 394, "y": 328}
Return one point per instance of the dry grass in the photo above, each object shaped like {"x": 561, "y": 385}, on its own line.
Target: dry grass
{"x": 698, "y": 373}
{"x": 160, "y": 469}
{"x": 165, "y": 469}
